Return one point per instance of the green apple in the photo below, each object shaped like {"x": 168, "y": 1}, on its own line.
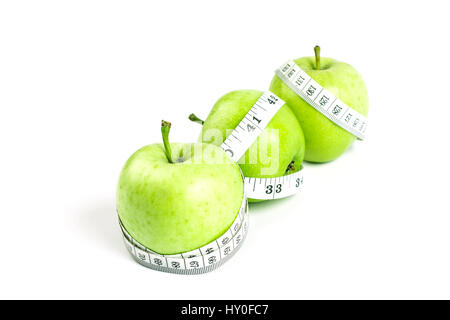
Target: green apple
{"x": 325, "y": 140}
{"x": 175, "y": 198}
{"x": 277, "y": 151}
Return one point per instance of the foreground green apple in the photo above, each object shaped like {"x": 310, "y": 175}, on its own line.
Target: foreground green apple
{"x": 325, "y": 141}
{"x": 278, "y": 150}
{"x": 175, "y": 198}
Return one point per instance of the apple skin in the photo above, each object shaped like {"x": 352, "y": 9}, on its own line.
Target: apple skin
{"x": 177, "y": 207}
{"x": 325, "y": 141}
{"x": 228, "y": 112}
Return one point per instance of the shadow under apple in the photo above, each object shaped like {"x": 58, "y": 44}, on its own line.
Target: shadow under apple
{"x": 100, "y": 224}
{"x": 266, "y": 206}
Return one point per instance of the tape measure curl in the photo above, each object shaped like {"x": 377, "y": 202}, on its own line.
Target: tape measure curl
{"x": 243, "y": 136}
{"x": 204, "y": 259}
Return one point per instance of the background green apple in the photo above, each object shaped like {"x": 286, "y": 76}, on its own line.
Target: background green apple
{"x": 283, "y": 131}
{"x": 325, "y": 141}
{"x": 177, "y": 206}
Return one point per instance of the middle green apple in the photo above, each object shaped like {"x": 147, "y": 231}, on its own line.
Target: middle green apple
{"x": 278, "y": 150}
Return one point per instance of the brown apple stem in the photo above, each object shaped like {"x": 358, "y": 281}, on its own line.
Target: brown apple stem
{"x": 317, "y": 53}
{"x": 194, "y": 118}
{"x": 165, "y": 129}
{"x": 291, "y": 167}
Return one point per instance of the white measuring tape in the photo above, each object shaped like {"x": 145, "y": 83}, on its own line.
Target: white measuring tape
{"x": 204, "y": 259}
{"x": 252, "y": 125}
{"x": 322, "y": 100}
{"x": 243, "y": 136}
{"x": 273, "y": 188}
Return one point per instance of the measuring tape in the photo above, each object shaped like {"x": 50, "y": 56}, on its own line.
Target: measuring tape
{"x": 243, "y": 136}
{"x": 273, "y": 188}
{"x": 322, "y": 100}
{"x": 252, "y": 125}
{"x": 202, "y": 260}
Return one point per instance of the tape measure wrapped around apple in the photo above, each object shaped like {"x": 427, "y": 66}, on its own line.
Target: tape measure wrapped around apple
{"x": 182, "y": 207}
{"x": 330, "y": 101}
{"x": 260, "y": 132}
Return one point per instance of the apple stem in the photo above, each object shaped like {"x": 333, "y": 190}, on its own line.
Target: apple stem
{"x": 291, "y": 167}
{"x": 317, "y": 53}
{"x": 194, "y": 118}
{"x": 165, "y": 129}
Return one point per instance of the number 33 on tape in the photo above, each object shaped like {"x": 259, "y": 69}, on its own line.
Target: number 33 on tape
{"x": 273, "y": 188}
{"x": 243, "y": 136}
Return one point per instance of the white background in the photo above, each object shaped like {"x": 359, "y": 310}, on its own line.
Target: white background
{"x": 83, "y": 84}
